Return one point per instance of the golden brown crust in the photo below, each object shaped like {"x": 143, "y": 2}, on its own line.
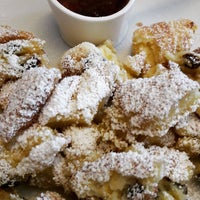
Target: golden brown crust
{"x": 189, "y": 127}
{"x": 31, "y": 92}
{"x": 18, "y": 56}
{"x": 8, "y": 33}
{"x": 163, "y": 38}
{"x": 77, "y": 59}
{"x": 150, "y": 106}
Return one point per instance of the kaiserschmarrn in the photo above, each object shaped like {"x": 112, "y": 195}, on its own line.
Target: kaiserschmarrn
{"x": 96, "y": 127}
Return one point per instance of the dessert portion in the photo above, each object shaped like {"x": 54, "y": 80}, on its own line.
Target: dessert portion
{"x": 162, "y": 40}
{"x": 96, "y": 127}
{"x": 79, "y": 58}
{"x": 8, "y": 33}
{"x": 19, "y": 52}
{"x": 151, "y": 106}
{"x": 111, "y": 176}
{"x": 32, "y": 153}
{"x": 25, "y": 100}
{"x": 78, "y": 98}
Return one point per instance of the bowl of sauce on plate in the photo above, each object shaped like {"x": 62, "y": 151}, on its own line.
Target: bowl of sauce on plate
{"x": 94, "y": 8}
{"x": 91, "y": 20}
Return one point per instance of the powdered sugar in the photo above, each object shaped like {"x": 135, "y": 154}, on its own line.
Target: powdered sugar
{"x": 17, "y": 56}
{"x": 57, "y": 106}
{"x": 8, "y": 33}
{"x": 31, "y": 92}
{"x": 154, "y": 163}
{"x": 84, "y": 94}
{"x": 154, "y": 102}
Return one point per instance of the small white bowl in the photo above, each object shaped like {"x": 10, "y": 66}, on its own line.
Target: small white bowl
{"x": 76, "y": 28}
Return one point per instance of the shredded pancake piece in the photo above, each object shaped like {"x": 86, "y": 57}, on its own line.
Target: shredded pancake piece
{"x": 83, "y": 147}
{"x": 8, "y": 33}
{"x": 150, "y": 106}
{"x": 77, "y": 99}
{"x": 163, "y": 38}
{"x": 77, "y": 59}
{"x": 31, "y": 93}
{"x": 114, "y": 171}
{"x": 136, "y": 64}
{"x": 39, "y": 146}
{"x": 191, "y": 145}
{"x": 189, "y": 127}
{"x": 33, "y": 152}
{"x": 57, "y": 106}
{"x": 18, "y": 56}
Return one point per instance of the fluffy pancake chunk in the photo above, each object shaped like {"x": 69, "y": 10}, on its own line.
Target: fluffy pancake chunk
{"x": 109, "y": 176}
{"x": 32, "y": 152}
{"x": 189, "y": 127}
{"x": 77, "y": 99}
{"x": 57, "y": 108}
{"x": 18, "y": 56}
{"x": 30, "y": 94}
{"x": 8, "y": 33}
{"x": 83, "y": 147}
{"x": 77, "y": 59}
{"x": 163, "y": 38}
{"x": 150, "y": 106}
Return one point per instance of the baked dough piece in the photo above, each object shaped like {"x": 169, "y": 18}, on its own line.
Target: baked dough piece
{"x": 189, "y": 135}
{"x": 56, "y": 111}
{"x": 150, "y": 106}
{"x": 83, "y": 147}
{"x": 136, "y": 64}
{"x": 189, "y": 127}
{"x": 109, "y": 176}
{"x": 78, "y": 99}
{"x": 19, "y": 51}
{"x": 8, "y": 33}
{"x": 191, "y": 145}
{"x": 18, "y": 56}
{"x": 32, "y": 153}
{"x": 161, "y": 39}
{"x": 110, "y": 53}
{"x": 23, "y": 105}
{"x": 77, "y": 59}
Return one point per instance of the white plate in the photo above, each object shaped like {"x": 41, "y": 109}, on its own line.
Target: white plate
{"x": 35, "y": 16}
